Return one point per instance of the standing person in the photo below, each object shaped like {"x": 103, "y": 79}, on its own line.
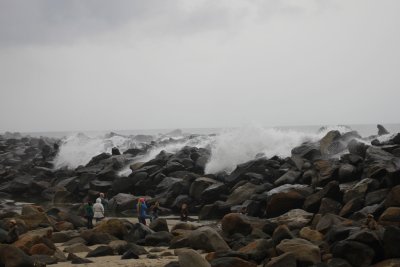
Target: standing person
{"x": 103, "y": 200}
{"x": 184, "y": 212}
{"x": 141, "y": 209}
{"x": 98, "y": 209}
{"x": 88, "y": 214}
{"x": 155, "y": 209}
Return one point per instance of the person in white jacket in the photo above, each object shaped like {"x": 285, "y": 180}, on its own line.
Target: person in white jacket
{"x": 98, "y": 209}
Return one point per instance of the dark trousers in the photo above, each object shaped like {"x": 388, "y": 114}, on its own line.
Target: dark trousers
{"x": 89, "y": 222}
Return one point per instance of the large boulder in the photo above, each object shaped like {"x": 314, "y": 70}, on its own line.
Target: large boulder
{"x": 332, "y": 143}
{"x": 138, "y": 232}
{"x": 393, "y": 198}
{"x": 158, "y": 238}
{"x": 294, "y": 219}
{"x": 391, "y": 216}
{"x": 331, "y": 190}
{"x": 100, "y": 252}
{"x": 280, "y": 233}
{"x": 360, "y": 189}
{"x": 283, "y": 202}
{"x": 207, "y": 239}
{"x": 289, "y": 177}
{"x": 11, "y": 256}
{"x": 235, "y": 223}
{"x": 257, "y": 250}
{"x": 327, "y": 170}
{"x": 311, "y": 235}
{"x": 391, "y": 241}
{"x": 356, "y": 253}
{"x": 379, "y": 163}
{"x": 304, "y": 251}
{"x": 190, "y": 258}
{"x": 242, "y": 193}
{"x": 159, "y": 224}
{"x": 122, "y": 202}
{"x": 199, "y": 185}
{"x": 114, "y": 227}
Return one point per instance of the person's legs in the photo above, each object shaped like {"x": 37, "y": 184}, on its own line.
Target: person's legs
{"x": 90, "y": 222}
{"x": 142, "y": 220}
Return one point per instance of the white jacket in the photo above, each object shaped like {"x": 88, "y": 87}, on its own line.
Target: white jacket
{"x": 98, "y": 209}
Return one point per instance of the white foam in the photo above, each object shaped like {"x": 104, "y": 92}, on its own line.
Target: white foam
{"x": 237, "y": 146}
{"x": 79, "y": 149}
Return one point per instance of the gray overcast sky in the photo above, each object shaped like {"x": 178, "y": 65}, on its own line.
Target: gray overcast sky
{"x": 97, "y": 65}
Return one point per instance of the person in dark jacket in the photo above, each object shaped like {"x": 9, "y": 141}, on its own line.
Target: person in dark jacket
{"x": 88, "y": 214}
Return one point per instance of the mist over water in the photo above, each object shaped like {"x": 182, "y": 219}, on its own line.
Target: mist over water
{"x": 229, "y": 147}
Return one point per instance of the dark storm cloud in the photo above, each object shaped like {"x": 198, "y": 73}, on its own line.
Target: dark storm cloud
{"x": 43, "y": 21}
{"x": 63, "y": 21}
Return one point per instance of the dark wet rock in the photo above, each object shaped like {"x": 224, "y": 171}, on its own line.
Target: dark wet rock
{"x": 283, "y": 202}
{"x": 357, "y": 148}
{"x": 393, "y": 198}
{"x": 304, "y": 251}
{"x": 258, "y": 250}
{"x": 391, "y": 216}
{"x": 327, "y": 170}
{"x": 382, "y": 130}
{"x": 100, "y": 252}
{"x": 114, "y": 227}
{"x": 199, "y": 185}
{"x": 380, "y": 163}
{"x": 280, "y": 233}
{"x": 235, "y": 223}
{"x": 329, "y": 206}
{"x": 309, "y": 151}
{"x": 159, "y": 224}
{"x": 158, "y": 238}
{"x": 289, "y": 177}
{"x": 242, "y": 193}
{"x": 360, "y": 189}
{"x": 190, "y": 258}
{"x": 310, "y": 234}
{"x": 77, "y": 248}
{"x": 294, "y": 219}
{"x": 122, "y": 202}
{"x": 12, "y": 256}
{"x": 213, "y": 193}
{"x": 259, "y": 166}
{"x": 376, "y": 196}
{"x": 352, "y": 206}
{"x": 327, "y": 221}
{"x": 130, "y": 254}
{"x": 214, "y": 211}
{"x": 77, "y": 260}
{"x": 331, "y": 190}
{"x": 391, "y": 241}
{"x": 73, "y": 241}
{"x": 356, "y": 253}
{"x": 221, "y": 254}
{"x": 93, "y": 238}
{"x": 347, "y": 173}
{"x": 138, "y": 231}
{"x": 44, "y": 259}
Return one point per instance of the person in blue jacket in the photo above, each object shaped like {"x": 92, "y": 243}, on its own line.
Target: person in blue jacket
{"x": 141, "y": 209}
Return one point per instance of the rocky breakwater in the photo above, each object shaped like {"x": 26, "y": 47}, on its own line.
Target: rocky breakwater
{"x": 334, "y": 202}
